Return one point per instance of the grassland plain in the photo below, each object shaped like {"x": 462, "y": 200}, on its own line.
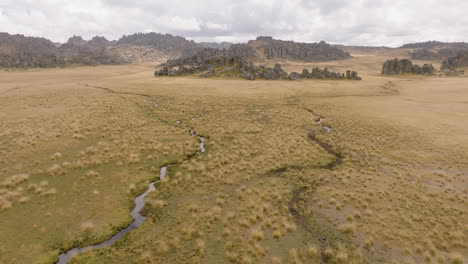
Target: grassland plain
{"x": 386, "y": 185}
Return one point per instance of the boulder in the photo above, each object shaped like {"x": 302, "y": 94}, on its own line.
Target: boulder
{"x": 269, "y": 74}
{"x": 305, "y": 73}
{"x": 293, "y": 76}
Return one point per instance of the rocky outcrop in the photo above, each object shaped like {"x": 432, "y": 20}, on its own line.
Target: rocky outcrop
{"x": 396, "y": 66}
{"x": 207, "y": 57}
{"x": 458, "y": 61}
{"x": 202, "y": 61}
{"x": 275, "y": 73}
{"x": 318, "y": 73}
{"x": 30, "y": 60}
{"x": 437, "y": 54}
{"x": 97, "y": 51}
{"x": 18, "y": 51}
{"x": 310, "y": 52}
{"x": 247, "y": 70}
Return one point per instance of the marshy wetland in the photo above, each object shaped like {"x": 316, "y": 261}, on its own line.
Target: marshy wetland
{"x": 308, "y": 171}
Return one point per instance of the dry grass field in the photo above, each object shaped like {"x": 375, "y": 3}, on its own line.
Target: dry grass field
{"x": 387, "y": 184}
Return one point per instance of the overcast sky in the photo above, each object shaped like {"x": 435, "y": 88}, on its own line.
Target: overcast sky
{"x": 358, "y": 22}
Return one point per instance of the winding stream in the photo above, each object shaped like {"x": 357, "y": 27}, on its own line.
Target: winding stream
{"x": 135, "y": 213}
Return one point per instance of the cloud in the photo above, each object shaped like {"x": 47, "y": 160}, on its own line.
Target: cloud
{"x": 360, "y": 22}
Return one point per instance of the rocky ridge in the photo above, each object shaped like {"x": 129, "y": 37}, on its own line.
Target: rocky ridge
{"x": 309, "y": 52}
{"x": 18, "y": 51}
{"x": 434, "y": 44}
{"x": 436, "y": 54}
{"x": 23, "y": 52}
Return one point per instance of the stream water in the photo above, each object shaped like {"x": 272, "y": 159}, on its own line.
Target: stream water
{"x": 135, "y": 213}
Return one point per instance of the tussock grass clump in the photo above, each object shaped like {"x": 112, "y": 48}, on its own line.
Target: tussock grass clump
{"x": 14, "y": 180}
{"x": 456, "y": 258}
{"x": 56, "y": 169}
{"x": 5, "y": 204}
{"x": 91, "y": 174}
{"x": 87, "y": 226}
{"x": 56, "y": 156}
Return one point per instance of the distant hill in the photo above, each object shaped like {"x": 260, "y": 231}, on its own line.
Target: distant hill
{"x": 18, "y": 51}
{"x": 215, "y": 45}
{"x": 434, "y": 44}
{"x": 22, "y": 52}
{"x": 435, "y": 50}
{"x": 263, "y": 48}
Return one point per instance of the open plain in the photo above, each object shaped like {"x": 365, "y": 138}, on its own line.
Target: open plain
{"x": 308, "y": 171}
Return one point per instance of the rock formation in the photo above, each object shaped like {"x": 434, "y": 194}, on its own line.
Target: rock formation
{"x": 458, "y": 61}
{"x": 161, "y": 42}
{"x": 94, "y": 52}
{"x": 18, "y": 51}
{"x": 396, "y": 66}
{"x": 450, "y": 66}
{"x": 207, "y": 57}
{"x": 30, "y": 60}
{"x": 202, "y": 61}
{"x": 243, "y": 68}
{"x": 273, "y": 49}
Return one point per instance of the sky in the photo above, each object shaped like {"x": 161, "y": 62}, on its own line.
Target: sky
{"x": 358, "y": 22}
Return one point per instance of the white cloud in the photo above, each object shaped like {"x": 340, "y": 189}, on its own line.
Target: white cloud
{"x": 361, "y": 22}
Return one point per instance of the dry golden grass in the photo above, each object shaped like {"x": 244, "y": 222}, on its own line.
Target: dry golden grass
{"x": 79, "y": 144}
